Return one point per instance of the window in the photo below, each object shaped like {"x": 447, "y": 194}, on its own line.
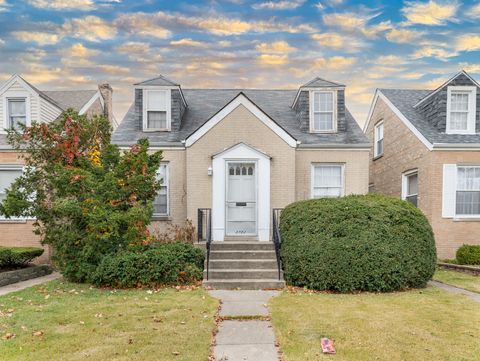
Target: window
{"x": 327, "y": 180}
{"x": 17, "y": 113}
{"x": 160, "y": 203}
{"x": 461, "y": 108}
{"x": 7, "y": 175}
{"x": 468, "y": 191}
{"x": 156, "y": 110}
{"x": 323, "y": 112}
{"x": 410, "y": 187}
{"x": 378, "y": 145}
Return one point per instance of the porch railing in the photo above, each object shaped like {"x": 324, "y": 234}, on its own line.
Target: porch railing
{"x": 277, "y": 239}
{"x": 204, "y": 231}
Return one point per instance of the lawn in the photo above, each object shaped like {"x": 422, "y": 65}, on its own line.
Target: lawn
{"x": 66, "y": 321}
{"x": 427, "y": 324}
{"x": 459, "y": 279}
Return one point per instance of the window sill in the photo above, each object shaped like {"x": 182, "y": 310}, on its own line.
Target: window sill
{"x": 377, "y": 157}
{"x": 155, "y": 130}
{"x": 467, "y": 219}
{"x": 161, "y": 218}
{"x": 13, "y": 220}
{"x": 333, "y": 131}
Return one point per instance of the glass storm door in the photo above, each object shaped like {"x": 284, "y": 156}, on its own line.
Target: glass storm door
{"x": 241, "y": 199}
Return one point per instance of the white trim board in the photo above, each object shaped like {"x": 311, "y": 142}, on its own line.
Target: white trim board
{"x": 398, "y": 113}
{"x": 240, "y": 99}
{"x": 92, "y": 100}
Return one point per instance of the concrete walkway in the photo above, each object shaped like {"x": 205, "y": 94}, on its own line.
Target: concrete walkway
{"x": 29, "y": 283}
{"x": 245, "y": 340}
{"x": 452, "y": 289}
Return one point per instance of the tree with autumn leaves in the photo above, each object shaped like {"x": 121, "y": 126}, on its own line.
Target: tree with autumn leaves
{"x": 87, "y": 198}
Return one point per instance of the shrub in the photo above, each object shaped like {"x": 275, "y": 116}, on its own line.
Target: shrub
{"x": 468, "y": 254}
{"x": 18, "y": 256}
{"x": 156, "y": 264}
{"x": 357, "y": 243}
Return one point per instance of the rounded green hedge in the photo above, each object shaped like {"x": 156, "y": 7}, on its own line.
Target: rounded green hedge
{"x": 357, "y": 243}
{"x": 468, "y": 254}
{"x": 160, "y": 264}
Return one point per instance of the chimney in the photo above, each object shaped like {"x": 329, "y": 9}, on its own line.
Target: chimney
{"x": 106, "y": 91}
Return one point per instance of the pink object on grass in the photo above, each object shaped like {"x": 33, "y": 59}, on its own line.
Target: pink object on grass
{"x": 327, "y": 346}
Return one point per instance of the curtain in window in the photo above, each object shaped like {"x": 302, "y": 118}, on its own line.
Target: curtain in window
{"x": 468, "y": 191}
{"x": 157, "y": 120}
{"x": 7, "y": 176}
{"x": 160, "y": 203}
{"x": 17, "y": 114}
{"x": 459, "y": 111}
{"x": 327, "y": 181}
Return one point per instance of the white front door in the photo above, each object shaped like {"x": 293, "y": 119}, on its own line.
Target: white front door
{"x": 241, "y": 199}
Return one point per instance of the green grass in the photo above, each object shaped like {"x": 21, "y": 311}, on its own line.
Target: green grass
{"x": 428, "y": 324}
{"x": 458, "y": 279}
{"x": 80, "y": 322}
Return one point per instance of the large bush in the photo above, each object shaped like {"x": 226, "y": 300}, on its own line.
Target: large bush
{"x": 468, "y": 254}
{"x": 357, "y": 243}
{"x": 159, "y": 264}
{"x": 89, "y": 200}
{"x": 18, "y": 256}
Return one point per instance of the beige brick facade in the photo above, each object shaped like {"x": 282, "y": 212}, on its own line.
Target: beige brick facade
{"x": 403, "y": 151}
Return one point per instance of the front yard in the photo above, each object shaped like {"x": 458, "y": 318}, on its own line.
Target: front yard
{"x": 458, "y": 279}
{"x": 427, "y": 324}
{"x": 66, "y": 321}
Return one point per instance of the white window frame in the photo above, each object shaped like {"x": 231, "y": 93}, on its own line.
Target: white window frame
{"x": 312, "y": 177}
{"x": 165, "y": 184}
{"x": 17, "y": 167}
{"x": 472, "y": 108}
{"x": 168, "y": 110}
{"x": 405, "y": 177}
{"x": 334, "y": 111}
{"x": 376, "y": 140}
{"x": 462, "y": 216}
{"x": 6, "y": 112}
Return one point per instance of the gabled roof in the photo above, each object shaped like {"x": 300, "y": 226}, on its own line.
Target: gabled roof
{"x": 158, "y": 81}
{"x": 321, "y": 83}
{"x": 433, "y": 92}
{"x": 240, "y": 144}
{"x": 75, "y": 99}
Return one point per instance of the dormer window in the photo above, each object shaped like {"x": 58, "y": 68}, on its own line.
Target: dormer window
{"x": 461, "y": 109}
{"x": 157, "y": 109}
{"x": 323, "y": 111}
{"x": 17, "y": 113}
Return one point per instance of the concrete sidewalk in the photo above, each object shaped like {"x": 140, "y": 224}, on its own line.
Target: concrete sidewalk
{"x": 452, "y": 289}
{"x": 29, "y": 283}
{"x": 245, "y": 340}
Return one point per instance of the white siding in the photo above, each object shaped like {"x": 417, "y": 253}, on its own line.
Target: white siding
{"x": 48, "y": 111}
{"x": 18, "y": 90}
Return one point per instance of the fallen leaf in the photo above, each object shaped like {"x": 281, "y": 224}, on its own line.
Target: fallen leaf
{"x": 37, "y": 333}
{"x": 82, "y": 322}
{"x": 8, "y": 336}
{"x": 175, "y": 353}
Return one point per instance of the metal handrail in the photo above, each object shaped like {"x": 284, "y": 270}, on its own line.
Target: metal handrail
{"x": 277, "y": 239}
{"x": 204, "y": 216}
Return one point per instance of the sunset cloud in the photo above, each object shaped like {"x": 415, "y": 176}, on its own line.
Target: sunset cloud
{"x": 275, "y": 47}
{"x": 432, "y": 52}
{"x": 338, "y": 41}
{"x": 90, "y": 28}
{"x": 187, "y": 42}
{"x": 430, "y": 13}
{"x": 468, "y": 42}
{"x": 142, "y": 24}
{"x": 38, "y": 37}
{"x": 271, "y": 59}
{"x": 402, "y": 35}
{"x": 63, "y": 4}
{"x": 279, "y": 5}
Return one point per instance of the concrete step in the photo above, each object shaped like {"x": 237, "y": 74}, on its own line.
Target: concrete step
{"x": 245, "y": 284}
{"x": 242, "y": 246}
{"x": 218, "y": 264}
{"x": 222, "y": 274}
{"x": 237, "y": 255}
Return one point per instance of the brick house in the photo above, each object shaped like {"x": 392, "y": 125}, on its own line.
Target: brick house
{"x": 21, "y": 102}
{"x": 426, "y": 149}
{"x": 244, "y": 152}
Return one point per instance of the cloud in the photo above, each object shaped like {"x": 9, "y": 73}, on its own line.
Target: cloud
{"x": 271, "y": 59}
{"x": 402, "y": 36}
{"x": 412, "y": 76}
{"x": 140, "y": 52}
{"x": 77, "y": 55}
{"x": 468, "y": 42}
{"x": 80, "y": 50}
{"x": 279, "y": 5}
{"x": 187, "y": 42}
{"x": 142, "y": 24}
{"x": 63, "y": 4}
{"x": 277, "y": 47}
{"x": 471, "y": 68}
{"x": 338, "y": 41}
{"x": 114, "y": 69}
{"x": 334, "y": 63}
{"x": 356, "y": 22}
{"x": 90, "y": 28}
{"x": 41, "y": 38}
{"x": 474, "y": 12}
{"x": 432, "y": 52}
{"x": 430, "y": 13}
{"x": 391, "y": 60}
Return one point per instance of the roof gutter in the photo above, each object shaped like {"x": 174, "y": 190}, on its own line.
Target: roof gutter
{"x": 335, "y": 146}
{"x": 459, "y": 146}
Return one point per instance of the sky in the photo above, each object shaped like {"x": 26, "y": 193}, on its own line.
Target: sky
{"x": 77, "y": 44}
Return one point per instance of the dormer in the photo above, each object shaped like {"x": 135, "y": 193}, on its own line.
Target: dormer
{"x": 452, "y": 107}
{"x": 159, "y": 105}
{"x": 320, "y": 106}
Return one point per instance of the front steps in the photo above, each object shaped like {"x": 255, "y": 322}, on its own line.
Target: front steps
{"x": 250, "y": 265}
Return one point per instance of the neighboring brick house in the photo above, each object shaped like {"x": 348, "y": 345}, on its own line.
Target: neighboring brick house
{"x": 426, "y": 149}
{"x": 243, "y": 152}
{"x": 21, "y": 102}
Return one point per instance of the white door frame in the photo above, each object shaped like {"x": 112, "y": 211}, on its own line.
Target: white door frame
{"x": 250, "y": 161}
{"x": 240, "y": 153}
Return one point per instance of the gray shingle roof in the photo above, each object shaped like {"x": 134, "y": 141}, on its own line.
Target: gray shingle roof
{"x": 158, "y": 81}
{"x": 405, "y": 99}
{"x": 319, "y": 83}
{"x": 204, "y": 103}
{"x": 75, "y": 99}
